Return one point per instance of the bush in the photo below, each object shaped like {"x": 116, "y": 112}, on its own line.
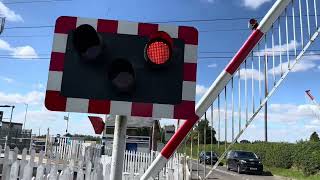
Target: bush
{"x": 304, "y": 155}
{"x": 307, "y": 157}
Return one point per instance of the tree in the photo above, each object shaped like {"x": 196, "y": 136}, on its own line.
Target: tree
{"x": 162, "y": 135}
{"x": 199, "y": 129}
{"x": 88, "y": 137}
{"x": 143, "y": 131}
{"x": 314, "y": 137}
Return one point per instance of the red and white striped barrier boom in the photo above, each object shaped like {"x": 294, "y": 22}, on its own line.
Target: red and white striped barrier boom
{"x": 217, "y": 86}
{"x": 313, "y": 102}
{"x": 308, "y": 92}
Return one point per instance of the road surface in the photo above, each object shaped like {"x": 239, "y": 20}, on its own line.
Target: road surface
{"x": 222, "y": 173}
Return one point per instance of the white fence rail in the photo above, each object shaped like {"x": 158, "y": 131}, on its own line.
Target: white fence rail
{"x": 67, "y": 148}
{"x": 40, "y": 167}
{"x": 136, "y": 163}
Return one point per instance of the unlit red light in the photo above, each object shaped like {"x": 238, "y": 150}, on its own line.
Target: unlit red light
{"x": 158, "y": 52}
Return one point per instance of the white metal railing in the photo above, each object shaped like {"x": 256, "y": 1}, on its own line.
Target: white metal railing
{"x": 242, "y": 89}
{"x": 281, "y": 48}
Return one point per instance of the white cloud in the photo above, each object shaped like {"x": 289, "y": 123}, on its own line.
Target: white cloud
{"x": 24, "y": 52}
{"x": 39, "y": 86}
{"x": 312, "y": 127}
{"x": 5, "y": 45}
{"x": 208, "y": 1}
{"x": 9, "y": 14}
{"x": 291, "y": 112}
{"x": 283, "y": 120}
{"x": 306, "y": 63}
{"x": 6, "y": 79}
{"x": 41, "y": 118}
{"x": 278, "y": 49}
{"x": 251, "y": 73}
{"x": 254, "y": 4}
{"x": 42, "y": 115}
{"x": 200, "y": 90}
{"x": 33, "y": 97}
{"x": 315, "y": 121}
{"x": 214, "y": 65}
{"x": 21, "y": 52}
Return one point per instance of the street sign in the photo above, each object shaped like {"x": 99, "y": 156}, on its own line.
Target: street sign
{"x": 122, "y": 68}
{"x": 97, "y": 124}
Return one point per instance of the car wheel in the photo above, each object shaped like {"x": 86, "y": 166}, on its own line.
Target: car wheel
{"x": 239, "y": 169}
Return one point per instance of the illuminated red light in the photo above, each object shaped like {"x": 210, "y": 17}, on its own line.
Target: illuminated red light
{"x": 158, "y": 52}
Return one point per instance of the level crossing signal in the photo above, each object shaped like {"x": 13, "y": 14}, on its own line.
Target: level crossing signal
{"x": 122, "y": 68}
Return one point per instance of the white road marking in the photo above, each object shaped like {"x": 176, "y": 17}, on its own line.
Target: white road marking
{"x": 225, "y": 172}
{"x": 219, "y": 170}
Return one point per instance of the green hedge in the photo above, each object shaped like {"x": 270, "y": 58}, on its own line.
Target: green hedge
{"x": 304, "y": 155}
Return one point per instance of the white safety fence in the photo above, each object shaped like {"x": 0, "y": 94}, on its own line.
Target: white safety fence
{"x": 136, "y": 163}
{"x": 40, "y": 167}
{"x": 67, "y": 148}
{"x": 26, "y": 166}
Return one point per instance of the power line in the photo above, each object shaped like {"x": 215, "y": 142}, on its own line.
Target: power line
{"x": 224, "y": 57}
{"x": 211, "y": 52}
{"x": 25, "y": 36}
{"x": 205, "y": 20}
{"x": 40, "y": 1}
{"x": 51, "y": 26}
{"x": 168, "y": 21}
{"x": 200, "y": 57}
{"x": 35, "y": 58}
{"x": 203, "y": 31}
{"x": 29, "y": 27}
{"x": 261, "y": 51}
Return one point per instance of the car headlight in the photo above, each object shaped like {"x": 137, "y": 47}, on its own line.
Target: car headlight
{"x": 260, "y": 162}
{"x": 243, "y": 161}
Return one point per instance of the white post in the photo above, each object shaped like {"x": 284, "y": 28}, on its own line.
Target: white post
{"x": 47, "y": 141}
{"x": 119, "y": 142}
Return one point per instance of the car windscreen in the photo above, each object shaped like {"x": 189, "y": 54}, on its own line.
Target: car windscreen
{"x": 248, "y": 155}
{"x": 209, "y": 154}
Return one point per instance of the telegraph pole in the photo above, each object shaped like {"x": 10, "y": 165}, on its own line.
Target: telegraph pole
{"x": 3, "y": 21}
{"x": 266, "y": 94}
{"x": 25, "y": 116}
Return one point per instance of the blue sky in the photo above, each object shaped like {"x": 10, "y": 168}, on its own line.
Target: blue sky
{"x": 24, "y": 80}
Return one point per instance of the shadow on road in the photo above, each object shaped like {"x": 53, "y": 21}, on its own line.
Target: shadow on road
{"x": 267, "y": 173}
{"x": 264, "y": 173}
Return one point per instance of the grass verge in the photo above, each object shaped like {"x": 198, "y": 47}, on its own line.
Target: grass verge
{"x": 291, "y": 173}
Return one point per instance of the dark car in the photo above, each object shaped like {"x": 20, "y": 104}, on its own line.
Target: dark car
{"x": 208, "y": 157}
{"x": 244, "y": 161}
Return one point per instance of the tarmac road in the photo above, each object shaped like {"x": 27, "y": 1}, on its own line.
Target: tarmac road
{"x": 222, "y": 173}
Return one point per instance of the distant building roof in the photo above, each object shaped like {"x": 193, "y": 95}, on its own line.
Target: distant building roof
{"x": 14, "y": 123}
{"x": 133, "y": 122}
